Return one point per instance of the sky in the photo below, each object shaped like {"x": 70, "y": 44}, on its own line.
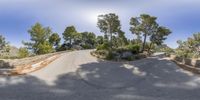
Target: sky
{"x": 17, "y": 16}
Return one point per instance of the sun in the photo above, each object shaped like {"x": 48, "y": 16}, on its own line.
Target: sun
{"x": 92, "y": 17}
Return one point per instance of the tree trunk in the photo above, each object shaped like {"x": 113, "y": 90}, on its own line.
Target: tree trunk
{"x": 70, "y": 42}
{"x": 144, "y": 43}
{"x": 111, "y": 40}
{"x": 150, "y": 47}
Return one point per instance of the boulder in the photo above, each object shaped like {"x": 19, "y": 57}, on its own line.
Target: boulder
{"x": 77, "y": 47}
{"x": 179, "y": 59}
{"x": 126, "y": 55}
{"x": 197, "y": 64}
{"x": 187, "y": 61}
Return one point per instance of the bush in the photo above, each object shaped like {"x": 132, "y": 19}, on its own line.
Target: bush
{"x": 86, "y": 46}
{"x": 133, "y": 48}
{"x": 44, "y": 48}
{"x": 23, "y": 52}
{"x": 110, "y": 55}
{"x": 121, "y": 50}
{"x": 104, "y": 46}
{"x": 101, "y": 52}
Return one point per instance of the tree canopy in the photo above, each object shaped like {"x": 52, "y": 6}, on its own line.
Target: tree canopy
{"x": 109, "y": 24}
{"x": 70, "y": 34}
{"x": 3, "y": 42}
{"x": 39, "y": 39}
{"x": 54, "y": 39}
{"x": 147, "y": 26}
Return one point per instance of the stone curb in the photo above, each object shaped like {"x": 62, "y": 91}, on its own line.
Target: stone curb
{"x": 186, "y": 64}
{"x": 187, "y": 67}
{"x": 28, "y": 68}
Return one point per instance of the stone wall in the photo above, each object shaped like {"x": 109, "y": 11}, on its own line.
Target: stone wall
{"x": 186, "y": 61}
{"x": 192, "y": 65}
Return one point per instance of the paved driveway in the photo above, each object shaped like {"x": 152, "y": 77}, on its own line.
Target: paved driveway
{"x": 79, "y": 76}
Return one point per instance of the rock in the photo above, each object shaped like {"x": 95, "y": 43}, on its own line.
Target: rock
{"x": 197, "y": 64}
{"x": 187, "y": 61}
{"x": 77, "y": 47}
{"x": 116, "y": 55}
{"x": 126, "y": 55}
{"x": 4, "y": 64}
{"x": 179, "y": 59}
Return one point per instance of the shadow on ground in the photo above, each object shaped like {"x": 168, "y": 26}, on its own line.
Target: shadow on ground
{"x": 147, "y": 79}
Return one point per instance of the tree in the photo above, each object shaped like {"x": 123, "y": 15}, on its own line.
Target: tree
{"x": 45, "y": 47}
{"x": 77, "y": 39}
{"x": 99, "y": 40}
{"x": 109, "y": 24}
{"x": 189, "y": 48}
{"x": 88, "y": 39}
{"x": 121, "y": 39}
{"x": 69, "y": 34}
{"x": 39, "y": 39}
{"x": 137, "y": 40}
{"x": 144, "y": 25}
{"x": 54, "y": 40}
{"x": 115, "y": 42}
{"x": 159, "y": 36}
{"x": 23, "y": 52}
{"x": 3, "y": 42}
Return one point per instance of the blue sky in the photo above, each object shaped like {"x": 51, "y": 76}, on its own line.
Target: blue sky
{"x": 17, "y": 16}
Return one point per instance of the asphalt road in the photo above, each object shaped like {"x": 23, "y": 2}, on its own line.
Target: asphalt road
{"x": 79, "y": 76}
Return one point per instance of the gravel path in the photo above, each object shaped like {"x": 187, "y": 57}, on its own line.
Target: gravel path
{"x": 78, "y": 76}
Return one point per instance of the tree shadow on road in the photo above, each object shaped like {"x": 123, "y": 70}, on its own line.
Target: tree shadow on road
{"x": 108, "y": 81}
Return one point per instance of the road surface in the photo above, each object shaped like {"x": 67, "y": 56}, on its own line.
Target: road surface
{"x": 78, "y": 76}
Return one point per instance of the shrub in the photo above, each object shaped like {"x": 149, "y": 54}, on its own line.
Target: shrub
{"x": 44, "y": 48}
{"x": 101, "y": 52}
{"x": 133, "y": 48}
{"x": 104, "y": 46}
{"x": 110, "y": 55}
{"x": 121, "y": 50}
{"x": 86, "y": 46}
{"x": 23, "y": 52}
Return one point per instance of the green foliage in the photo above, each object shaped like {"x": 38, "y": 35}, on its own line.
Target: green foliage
{"x": 109, "y": 24}
{"x": 147, "y": 26}
{"x": 70, "y": 34}
{"x": 104, "y": 46}
{"x": 86, "y": 46}
{"x": 110, "y": 55}
{"x": 3, "y": 42}
{"x": 88, "y": 39}
{"x": 39, "y": 39}
{"x": 102, "y": 52}
{"x": 121, "y": 39}
{"x": 160, "y": 35}
{"x": 45, "y": 48}
{"x": 54, "y": 39}
{"x": 133, "y": 48}
{"x": 144, "y": 25}
{"x": 23, "y": 52}
{"x": 189, "y": 48}
{"x": 99, "y": 40}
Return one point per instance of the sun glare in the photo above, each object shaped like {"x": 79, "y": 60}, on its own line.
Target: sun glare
{"x": 92, "y": 17}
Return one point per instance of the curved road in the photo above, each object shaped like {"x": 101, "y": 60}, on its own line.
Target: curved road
{"x": 78, "y": 76}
